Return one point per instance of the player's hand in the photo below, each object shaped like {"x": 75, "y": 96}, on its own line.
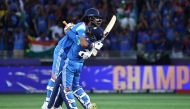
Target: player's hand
{"x": 85, "y": 54}
{"x": 94, "y": 52}
{"x": 68, "y": 27}
{"x": 97, "y": 45}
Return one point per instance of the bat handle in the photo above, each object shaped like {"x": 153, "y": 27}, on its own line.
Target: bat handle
{"x": 65, "y": 23}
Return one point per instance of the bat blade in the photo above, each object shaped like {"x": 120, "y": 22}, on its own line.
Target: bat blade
{"x": 109, "y": 27}
{"x": 106, "y": 31}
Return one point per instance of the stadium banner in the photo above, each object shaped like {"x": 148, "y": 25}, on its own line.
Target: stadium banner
{"x": 35, "y": 79}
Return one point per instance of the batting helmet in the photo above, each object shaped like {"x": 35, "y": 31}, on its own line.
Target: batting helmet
{"x": 93, "y": 16}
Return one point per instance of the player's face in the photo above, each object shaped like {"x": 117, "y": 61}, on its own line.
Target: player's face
{"x": 98, "y": 21}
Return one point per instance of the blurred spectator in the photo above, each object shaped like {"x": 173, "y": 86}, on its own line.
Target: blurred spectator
{"x": 101, "y": 8}
{"x": 177, "y": 45}
{"x": 57, "y": 31}
{"x": 51, "y": 15}
{"x": 10, "y": 43}
{"x": 121, "y": 11}
{"x": 167, "y": 21}
{"x": 2, "y": 43}
{"x": 125, "y": 43}
{"x": 160, "y": 41}
{"x": 27, "y": 15}
{"x": 132, "y": 8}
{"x": 58, "y": 2}
{"x": 187, "y": 46}
{"x": 178, "y": 16}
{"x": 14, "y": 5}
{"x": 187, "y": 31}
{"x": 144, "y": 12}
{"x": 111, "y": 8}
{"x": 153, "y": 12}
{"x": 142, "y": 30}
{"x": 19, "y": 38}
{"x": 50, "y": 6}
{"x": 114, "y": 43}
{"x": 105, "y": 50}
{"x": 127, "y": 20}
{"x": 10, "y": 21}
{"x": 39, "y": 21}
{"x": 148, "y": 41}
{"x": 42, "y": 37}
{"x": 186, "y": 9}
{"x": 167, "y": 8}
{"x": 156, "y": 27}
{"x": 181, "y": 27}
{"x": 42, "y": 2}
{"x": 170, "y": 30}
{"x": 63, "y": 9}
{"x": 74, "y": 13}
{"x": 3, "y": 11}
{"x": 34, "y": 4}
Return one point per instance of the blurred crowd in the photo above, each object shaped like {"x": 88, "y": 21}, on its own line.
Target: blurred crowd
{"x": 142, "y": 25}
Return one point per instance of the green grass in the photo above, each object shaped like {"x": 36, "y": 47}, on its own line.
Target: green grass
{"x": 104, "y": 101}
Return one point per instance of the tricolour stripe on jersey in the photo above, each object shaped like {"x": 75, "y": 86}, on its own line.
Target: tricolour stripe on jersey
{"x": 64, "y": 73}
{"x": 81, "y": 27}
{"x": 58, "y": 63}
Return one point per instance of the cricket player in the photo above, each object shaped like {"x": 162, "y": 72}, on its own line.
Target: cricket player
{"x": 89, "y": 16}
{"x": 75, "y": 59}
{"x": 59, "y": 56}
{"x": 85, "y": 55}
{"x": 95, "y": 33}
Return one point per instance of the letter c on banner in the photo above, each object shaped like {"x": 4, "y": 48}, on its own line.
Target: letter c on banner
{"x": 119, "y": 71}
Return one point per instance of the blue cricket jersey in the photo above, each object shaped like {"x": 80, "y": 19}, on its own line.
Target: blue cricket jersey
{"x": 79, "y": 30}
{"x": 67, "y": 41}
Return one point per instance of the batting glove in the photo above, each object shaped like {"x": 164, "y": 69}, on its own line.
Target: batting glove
{"x": 85, "y": 54}
{"x": 97, "y": 45}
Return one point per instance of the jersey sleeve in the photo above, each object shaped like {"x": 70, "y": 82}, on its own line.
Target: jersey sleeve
{"x": 72, "y": 36}
{"x": 81, "y": 30}
{"x": 76, "y": 32}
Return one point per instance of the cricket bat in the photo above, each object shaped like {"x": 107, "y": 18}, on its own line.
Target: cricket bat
{"x": 109, "y": 27}
{"x": 106, "y": 32}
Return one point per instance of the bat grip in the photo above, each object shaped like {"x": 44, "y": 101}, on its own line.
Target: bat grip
{"x": 65, "y": 23}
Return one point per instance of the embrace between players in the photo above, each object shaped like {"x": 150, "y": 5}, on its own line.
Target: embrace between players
{"x": 68, "y": 59}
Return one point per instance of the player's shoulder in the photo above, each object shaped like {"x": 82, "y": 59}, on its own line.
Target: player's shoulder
{"x": 80, "y": 26}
